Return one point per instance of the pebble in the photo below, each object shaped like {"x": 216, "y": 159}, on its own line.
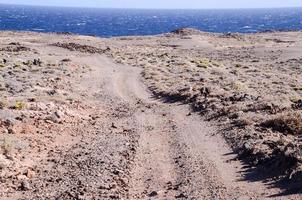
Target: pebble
{"x": 3, "y": 162}
{"x": 11, "y": 131}
{"x": 25, "y": 185}
{"x": 181, "y": 195}
{"x": 113, "y": 125}
{"x": 59, "y": 114}
{"x": 153, "y": 194}
{"x": 30, "y": 174}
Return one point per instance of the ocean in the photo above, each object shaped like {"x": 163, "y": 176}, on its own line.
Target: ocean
{"x": 125, "y": 22}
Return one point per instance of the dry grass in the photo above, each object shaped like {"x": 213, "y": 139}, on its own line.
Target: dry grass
{"x": 6, "y": 146}
{"x": 289, "y": 123}
{"x": 206, "y": 63}
{"x": 238, "y": 86}
{"x": 3, "y": 103}
{"x": 19, "y": 105}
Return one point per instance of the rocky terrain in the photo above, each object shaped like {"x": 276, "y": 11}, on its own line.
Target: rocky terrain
{"x": 183, "y": 115}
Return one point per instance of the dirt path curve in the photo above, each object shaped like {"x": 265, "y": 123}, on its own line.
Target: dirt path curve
{"x": 178, "y": 156}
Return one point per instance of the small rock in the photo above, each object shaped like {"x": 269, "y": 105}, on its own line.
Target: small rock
{"x": 152, "y": 194}
{"x": 52, "y": 118}
{"x": 4, "y": 163}
{"x": 30, "y": 174}
{"x": 32, "y": 99}
{"x": 52, "y": 92}
{"x": 11, "y": 131}
{"x": 116, "y": 172}
{"x": 25, "y": 185}
{"x": 66, "y": 60}
{"x": 5, "y": 131}
{"x": 59, "y": 114}
{"x": 37, "y": 62}
{"x": 21, "y": 177}
{"x": 81, "y": 197}
{"x": 113, "y": 125}
{"x": 181, "y": 195}
{"x": 10, "y": 122}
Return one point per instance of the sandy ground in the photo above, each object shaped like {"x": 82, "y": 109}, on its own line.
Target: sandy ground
{"x": 91, "y": 118}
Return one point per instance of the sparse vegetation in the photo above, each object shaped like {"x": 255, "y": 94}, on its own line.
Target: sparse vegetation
{"x": 295, "y": 99}
{"x": 238, "y": 86}
{"x": 3, "y": 104}
{"x": 289, "y": 123}
{"x": 17, "y": 65}
{"x": 206, "y": 63}
{"x": 6, "y": 146}
{"x": 19, "y": 105}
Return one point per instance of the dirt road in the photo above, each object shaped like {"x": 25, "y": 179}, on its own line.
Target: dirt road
{"x": 177, "y": 155}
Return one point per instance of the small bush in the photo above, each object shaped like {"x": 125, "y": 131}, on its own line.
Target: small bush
{"x": 238, "y": 86}
{"x": 205, "y": 63}
{"x": 18, "y": 64}
{"x": 290, "y": 123}
{"x": 295, "y": 99}
{"x": 6, "y": 146}
{"x": 28, "y": 63}
{"x": 19, "y": 105}
{"x": 2, "y": 104}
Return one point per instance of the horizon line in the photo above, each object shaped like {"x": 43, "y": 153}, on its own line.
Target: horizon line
{"x": 142, "y": 8}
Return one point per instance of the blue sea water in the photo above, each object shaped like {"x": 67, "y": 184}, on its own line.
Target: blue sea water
{"x": 121, "y": 22}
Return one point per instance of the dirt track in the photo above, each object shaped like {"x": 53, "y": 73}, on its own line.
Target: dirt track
{"x": 177, "y": 155}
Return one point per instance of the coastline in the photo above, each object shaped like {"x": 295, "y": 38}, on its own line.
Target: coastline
{"x": 269, "y": 31}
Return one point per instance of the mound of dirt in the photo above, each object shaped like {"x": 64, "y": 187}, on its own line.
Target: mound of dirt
{"x": 186, "y": 32}
{"x": 81, "y": 48}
